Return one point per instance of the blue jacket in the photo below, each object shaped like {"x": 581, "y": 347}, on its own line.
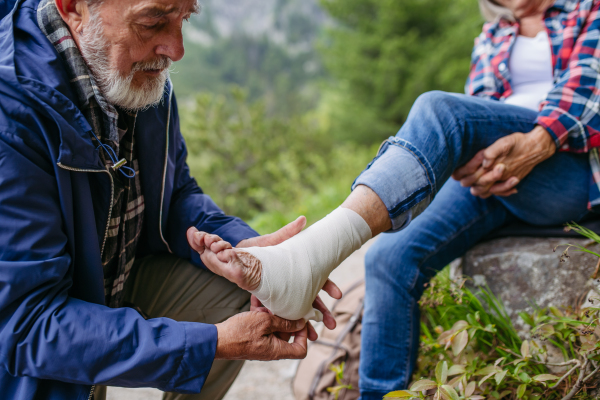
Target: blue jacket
{"x": 57, "y": 338}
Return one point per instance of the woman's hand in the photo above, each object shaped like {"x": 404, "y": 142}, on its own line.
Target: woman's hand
{"x": 498, "y": 169}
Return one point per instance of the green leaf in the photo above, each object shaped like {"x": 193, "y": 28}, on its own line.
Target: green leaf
{"x": 476, "y": 397}
{"x": 556, "y": 312}
{"x": 546, "y": 330}
{"x": 527, "y": 318}
{"x": 499, "y": 376}
{"x": 448, "y": 393}
{"x": 470, "y": 389}
{"x": 441, "y": 372}
{"x": 460, "y": 325}
{"x": 401, "y": 394}
{"x": 471, "y": 319}
{"x": 460, "y": 342}
{"x": 456, "y": 369}
{"x": 525, "y": 349}
{"x": 422, "y": 385}
{"x": 545, "y": 377}
{"x": 485, "y": 378}
{"x": 521, "y": 391}
{"x": 524, "y": 377}
{"x": 490, "y": 369}
{"x": 498, "y": 361}
{"x": 504, "y": 393}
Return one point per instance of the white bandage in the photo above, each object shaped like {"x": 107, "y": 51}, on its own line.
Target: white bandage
{"x": 294, "y": 271}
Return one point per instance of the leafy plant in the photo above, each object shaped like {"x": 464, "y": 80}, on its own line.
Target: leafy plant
{"x": 339, "y": 379}
{"x": 252, "y": 164}
{"x": 471, "y": 351}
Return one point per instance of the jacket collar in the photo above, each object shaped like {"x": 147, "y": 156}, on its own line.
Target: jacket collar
{"x": 32, "y": 72}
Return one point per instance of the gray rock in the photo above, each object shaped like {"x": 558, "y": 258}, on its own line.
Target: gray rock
{"x": 526, "y": 271}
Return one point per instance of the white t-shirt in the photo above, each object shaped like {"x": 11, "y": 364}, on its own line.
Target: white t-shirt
{"x": 530, "y": 66}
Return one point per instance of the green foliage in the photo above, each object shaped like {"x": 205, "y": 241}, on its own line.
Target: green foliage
{"x": 252, "y": 164}
{"x": 470, "y": 350}
{"x": 339, "y": 380}
{"x": 266, "y": 70}
{"x": 383, "y": 54}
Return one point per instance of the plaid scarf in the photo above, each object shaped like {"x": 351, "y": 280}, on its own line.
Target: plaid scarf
{"x": 115, "y": 128}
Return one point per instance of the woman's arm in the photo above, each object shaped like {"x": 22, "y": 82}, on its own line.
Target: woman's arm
{"x": 570, "y": 111}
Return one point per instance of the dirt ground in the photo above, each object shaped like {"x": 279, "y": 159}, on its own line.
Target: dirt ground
{"x": 263, "y": 380}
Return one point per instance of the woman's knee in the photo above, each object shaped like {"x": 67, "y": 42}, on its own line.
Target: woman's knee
{"x": 392, "y": 262}
{"x": 436, "y": 102}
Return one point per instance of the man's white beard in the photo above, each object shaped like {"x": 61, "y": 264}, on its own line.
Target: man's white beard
{"x": 119, "y": 90}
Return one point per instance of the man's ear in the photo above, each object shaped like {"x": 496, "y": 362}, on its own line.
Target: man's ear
{"x": 75, "y": 13}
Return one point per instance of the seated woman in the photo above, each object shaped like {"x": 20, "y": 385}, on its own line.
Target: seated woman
{"x": 521, "y": 145}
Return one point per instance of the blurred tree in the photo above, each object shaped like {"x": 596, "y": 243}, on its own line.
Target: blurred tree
{"x": 384, "y": 53}
{"x": 251, "y": 163}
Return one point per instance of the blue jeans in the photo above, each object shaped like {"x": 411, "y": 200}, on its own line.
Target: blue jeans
{"x": 410, "y": 174}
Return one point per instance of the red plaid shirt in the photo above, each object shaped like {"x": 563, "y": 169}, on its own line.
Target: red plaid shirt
{"x": 570, "y": 111}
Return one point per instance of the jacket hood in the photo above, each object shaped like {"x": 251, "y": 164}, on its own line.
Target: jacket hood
{"x": 32, "y": 72}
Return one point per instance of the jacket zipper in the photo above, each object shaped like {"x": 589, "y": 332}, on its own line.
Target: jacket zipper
{"x": 112, "y": 197}
{"x": 162, "y": 192}
{"x": 91, "y": 392}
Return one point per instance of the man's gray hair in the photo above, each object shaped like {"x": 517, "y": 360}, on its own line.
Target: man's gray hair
{"x": 492, "y": 12}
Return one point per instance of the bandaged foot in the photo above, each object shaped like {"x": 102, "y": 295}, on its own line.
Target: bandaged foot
{"x": 294, "y": 271}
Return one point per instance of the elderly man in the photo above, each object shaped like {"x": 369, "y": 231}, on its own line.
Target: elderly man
{"x": 95, "y": 202}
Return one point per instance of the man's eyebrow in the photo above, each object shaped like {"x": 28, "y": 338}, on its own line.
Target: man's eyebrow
{"x": 157, "y": 12}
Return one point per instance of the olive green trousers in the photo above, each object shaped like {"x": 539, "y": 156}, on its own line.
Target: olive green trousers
{"x": 167, "y": 286}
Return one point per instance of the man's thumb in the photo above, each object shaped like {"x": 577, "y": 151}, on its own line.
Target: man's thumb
{"x": 283, "y": 325}
{"x": 288, "y": 231}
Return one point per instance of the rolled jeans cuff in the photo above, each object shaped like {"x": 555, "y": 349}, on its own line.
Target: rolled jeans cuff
{"x": 402, "y": 178}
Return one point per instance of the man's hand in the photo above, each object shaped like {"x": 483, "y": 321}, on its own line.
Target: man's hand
{"x": 254, "y": 336}
{"x": 328, "y": 319}
{"x": 498, "y": 169}
{"x": 272, "y": 239}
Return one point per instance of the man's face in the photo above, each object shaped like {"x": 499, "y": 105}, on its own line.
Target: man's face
{"x": 129, "y": 46}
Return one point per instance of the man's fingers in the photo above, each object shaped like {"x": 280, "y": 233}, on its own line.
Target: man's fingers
{"x": 288, "y": 231}
{"x": 332, "y": 289}
{"x": 469, "y": 168}
{"x": 255, "y": 302}
{"x": 297, "y": 349}
{"x": 328, "y": 319}
{"x": 312, "y": 333}
{"x": 196, "y": 239}
{"x": 283, "y": 325}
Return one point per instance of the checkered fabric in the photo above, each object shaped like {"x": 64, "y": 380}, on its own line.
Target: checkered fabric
{"x": 112, "y": 127}
{"x": 570, "y": 111}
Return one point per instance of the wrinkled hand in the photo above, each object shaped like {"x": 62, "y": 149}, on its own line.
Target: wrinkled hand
{"x": 498, "y": 169}
{"x": 253, "y": 335}
{"x": 328, "y": 319}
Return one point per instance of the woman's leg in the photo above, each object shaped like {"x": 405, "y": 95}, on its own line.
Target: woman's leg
{"x": 397, "y": 267}
{"x": 442, "y": 132}
{"x": 398, "y": 264}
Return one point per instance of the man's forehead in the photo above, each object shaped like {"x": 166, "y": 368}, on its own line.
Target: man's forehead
{"x": 162, "y": 7}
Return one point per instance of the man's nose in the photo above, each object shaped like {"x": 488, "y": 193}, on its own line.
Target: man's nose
{"x": 171, "y": 44}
